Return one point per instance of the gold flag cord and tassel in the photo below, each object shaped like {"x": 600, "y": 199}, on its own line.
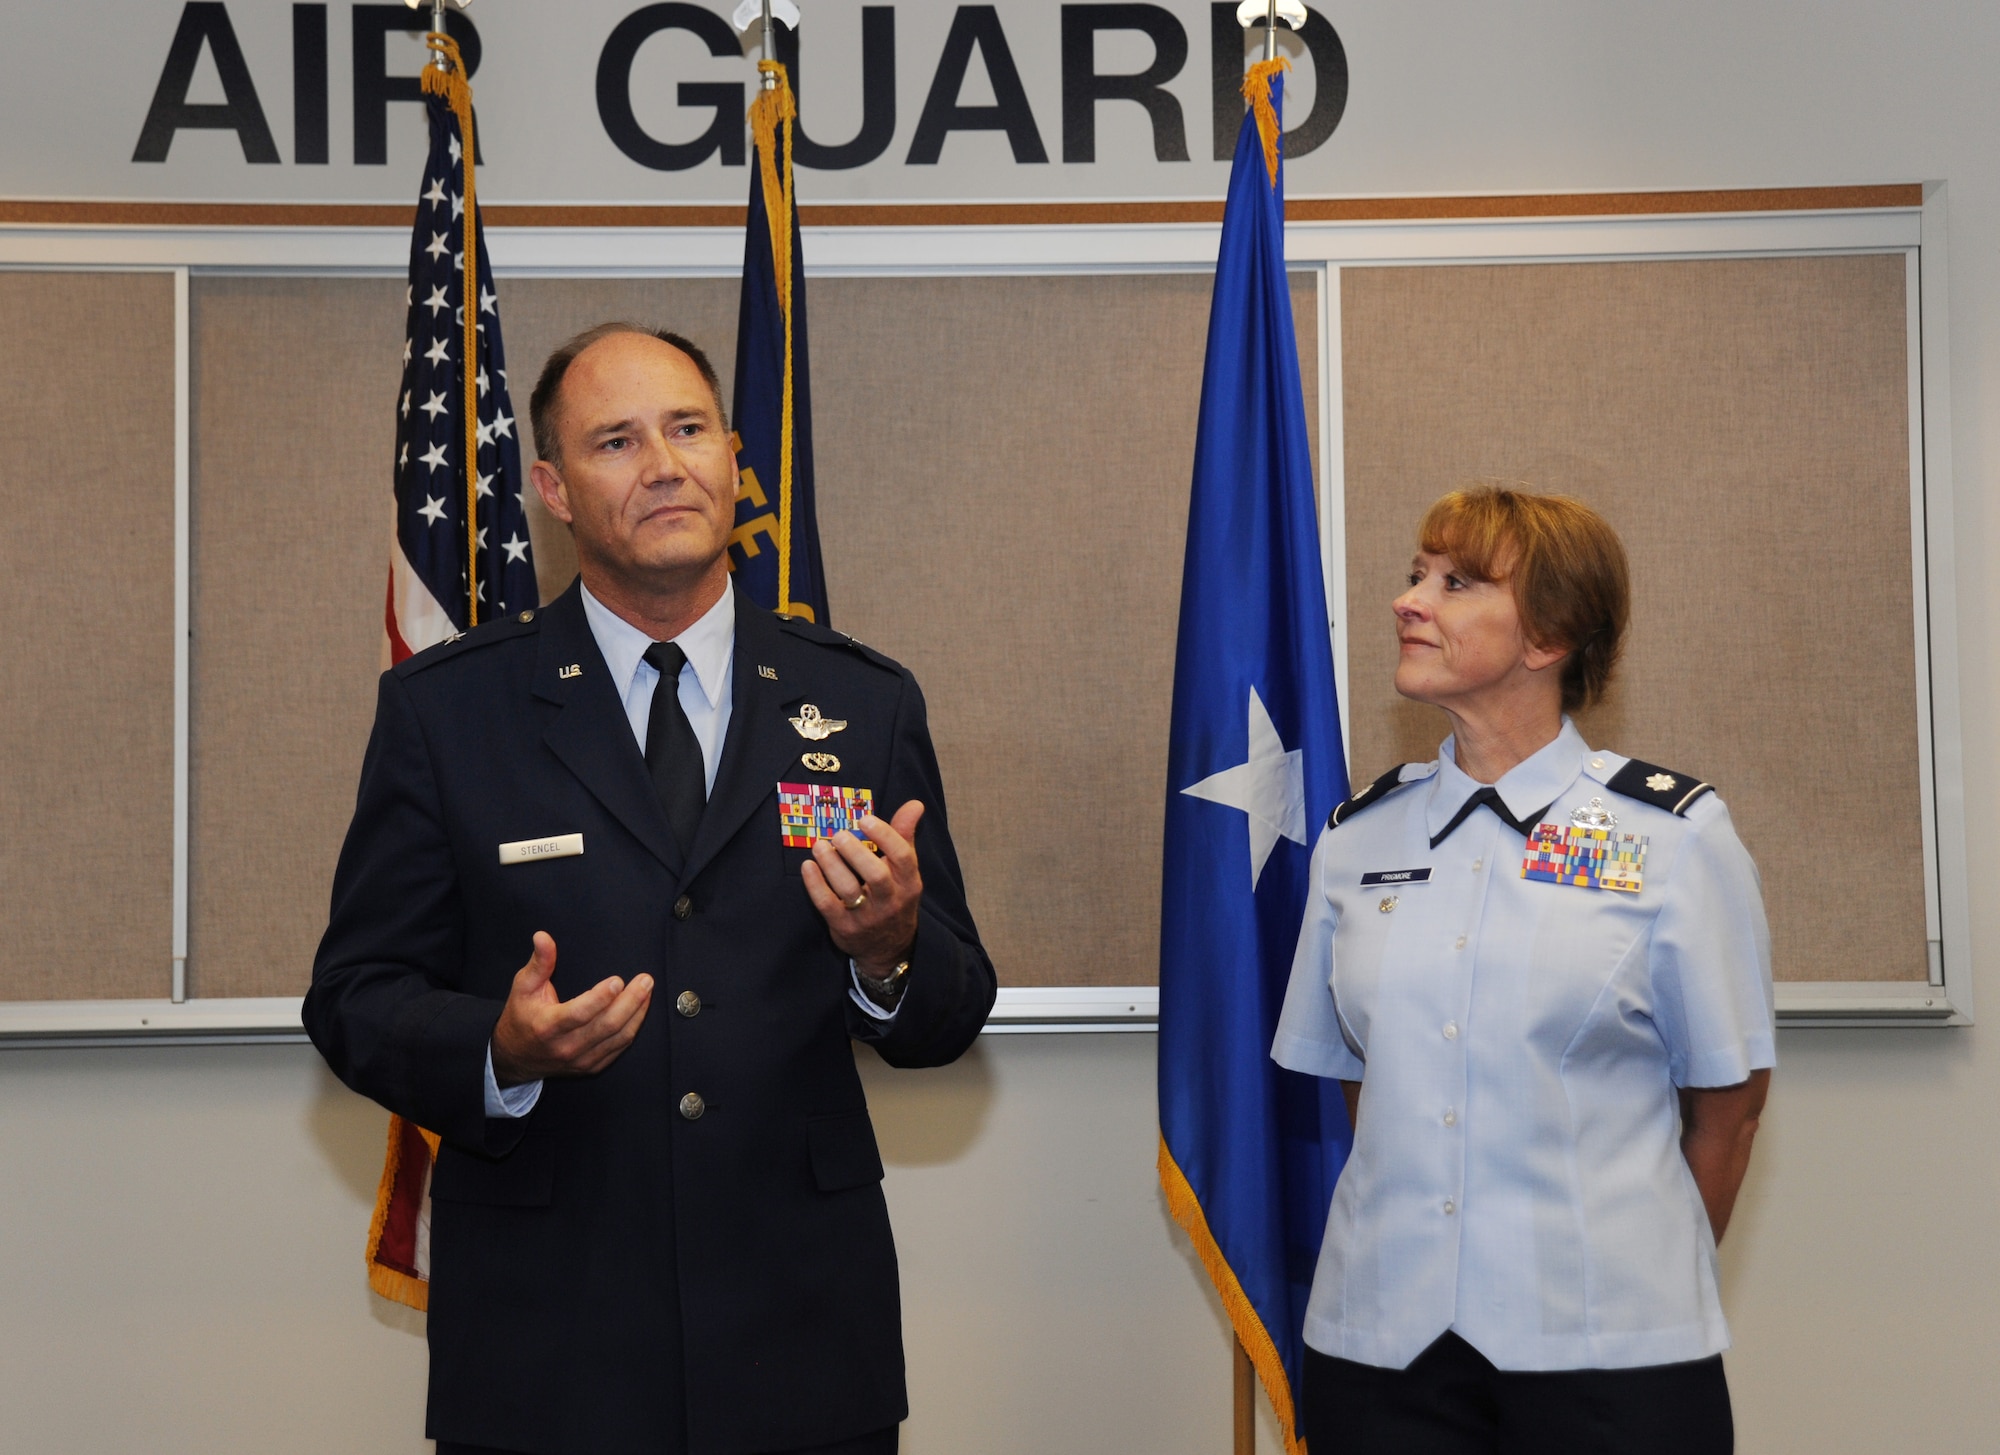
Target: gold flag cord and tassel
{"x": 447, "y": 80}
{"x": 1257, "y": 91}
{"x": 771, "y": 118}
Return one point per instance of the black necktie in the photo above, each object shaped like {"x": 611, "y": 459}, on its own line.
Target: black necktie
{"x": 673, "y": 756}
{"x": 1490, "y": 797}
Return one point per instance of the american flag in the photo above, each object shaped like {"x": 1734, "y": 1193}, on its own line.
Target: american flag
{"x": 429, "y": 598}
{"x": 433, "y": 597}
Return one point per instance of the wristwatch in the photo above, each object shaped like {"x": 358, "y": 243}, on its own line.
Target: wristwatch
{"x": 887, "y": 991}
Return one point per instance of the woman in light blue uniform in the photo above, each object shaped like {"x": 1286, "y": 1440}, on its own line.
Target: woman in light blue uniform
{"x": 1542, "y": 973}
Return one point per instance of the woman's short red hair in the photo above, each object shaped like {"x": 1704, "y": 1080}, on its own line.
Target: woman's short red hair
{"x": 1566, "y": 566}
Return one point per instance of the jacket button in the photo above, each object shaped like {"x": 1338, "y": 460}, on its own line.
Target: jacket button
{"x": 688, "y": 1004}
{"x": 692, "y": 1106}
{"x": 683, "y": 907}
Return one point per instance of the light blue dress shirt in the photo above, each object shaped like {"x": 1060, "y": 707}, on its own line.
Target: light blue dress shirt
{"x": 706, "y": 691}
{"x": 1517, "y": 1174}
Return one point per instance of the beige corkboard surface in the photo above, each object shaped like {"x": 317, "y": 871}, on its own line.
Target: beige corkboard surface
{"x": 1744, "y": 424}
{"x": 87, "y": 713}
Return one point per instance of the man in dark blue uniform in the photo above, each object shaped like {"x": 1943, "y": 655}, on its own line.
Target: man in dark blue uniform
{"x": 655, "y": 1228}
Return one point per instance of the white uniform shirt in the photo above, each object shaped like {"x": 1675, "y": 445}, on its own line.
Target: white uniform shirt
{"x": 1517, "y": 1175}
{"x": 706, "y": 692}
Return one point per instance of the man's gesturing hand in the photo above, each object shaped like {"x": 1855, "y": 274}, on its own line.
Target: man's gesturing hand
{"x": 870, "y": 903}
{"x": 541, "y": 1036}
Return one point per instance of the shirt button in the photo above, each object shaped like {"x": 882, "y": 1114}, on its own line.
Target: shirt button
{"x": 1459, "y": 943}
{"x": 692, "y": 1106}
{"x": 688, "y": 1004}
{"x": 1477, "y": 865}
{"x": 1450, "y": 1207}
{"x": 1597, "y": 762}
{"x": 1451, "y": 1030}
{"x": 683, "y": 907}
{"x": 1450, "y": 1116}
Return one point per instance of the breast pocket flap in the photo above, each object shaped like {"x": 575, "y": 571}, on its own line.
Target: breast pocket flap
{"x": 844, "y": 1153}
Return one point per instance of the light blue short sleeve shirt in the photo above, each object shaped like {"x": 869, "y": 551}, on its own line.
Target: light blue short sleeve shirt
{"x": 1516, "y": 1174}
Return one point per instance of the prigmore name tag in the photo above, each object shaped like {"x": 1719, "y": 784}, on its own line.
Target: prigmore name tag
{"x": 1396, "y": 876}
{"x": 562, "y": 846}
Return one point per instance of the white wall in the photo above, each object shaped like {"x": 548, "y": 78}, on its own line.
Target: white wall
{"x": 179, "y": 1229}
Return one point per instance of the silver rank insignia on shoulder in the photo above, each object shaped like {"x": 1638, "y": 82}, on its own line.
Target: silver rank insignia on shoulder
{"x": 1661, "y": 782}
{"x": 1593, "y": 815}
{"x": 820, "y": 763}
{"x": 814, "y": 728}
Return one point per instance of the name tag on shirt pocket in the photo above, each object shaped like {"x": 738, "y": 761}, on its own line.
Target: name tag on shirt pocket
{"x": 526, "y": 851}
{"x": 1388, "y": 878}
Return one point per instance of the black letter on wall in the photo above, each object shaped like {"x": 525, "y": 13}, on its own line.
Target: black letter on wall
{"x": 375, "y": 88}
{"x": 878, "y": 95}
{"x": 1329, "y": 58}
{"x": 239, "y": 111}
{"x": 309, "y": 83}
{"x": 1083, "y": 87}
{"x": 614, "y": 90}
{"x": 976, "y": 25}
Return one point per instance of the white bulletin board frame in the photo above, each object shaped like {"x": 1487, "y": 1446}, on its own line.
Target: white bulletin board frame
{"x": 1323, "y": 246}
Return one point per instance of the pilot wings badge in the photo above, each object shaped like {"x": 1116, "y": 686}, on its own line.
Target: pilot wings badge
{"x": 813, "y": 727}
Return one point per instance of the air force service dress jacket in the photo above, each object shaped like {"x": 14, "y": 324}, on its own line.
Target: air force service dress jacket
{"x": 1516, "y": 1175}
{"x": 696, "y": 1238}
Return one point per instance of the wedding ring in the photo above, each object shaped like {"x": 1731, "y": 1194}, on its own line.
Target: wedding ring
{"x": 859, "y": 899}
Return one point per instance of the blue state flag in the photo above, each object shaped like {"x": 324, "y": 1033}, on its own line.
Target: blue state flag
{"x": 775, "y": 544}
{"x": 1249, "y": 1152}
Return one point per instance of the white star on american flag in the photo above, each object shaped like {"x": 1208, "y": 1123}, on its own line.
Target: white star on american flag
{"x": 456, "y": 152}
{"x": 433, "y": 509}
{"x": 482, "y": 486}
{"x": 487, "y": 300}
{"x": 435, "y": 405}
{"x": 406, "y": 353}
{"x": 438, "y": 353}
{"x": 485, "y": 434}
{"x": 479, "y": 543}
{"x": 437, "y": 300}
{"x": 403, "y": 460}
{"x": 436, "y": 195}
{"x": 406, "y": 404}
{"x": 457, "y": 206}
{"x": 482, "y": 386}
{"x": 503, "y": 424}
{"x": 515, "y": 547}
{"x": 434, "y": 456}
{"x": 439, "y": 247}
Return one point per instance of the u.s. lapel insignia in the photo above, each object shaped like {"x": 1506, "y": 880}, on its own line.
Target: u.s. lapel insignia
{"x": 820, "y": 763}
{"x": 574, "y": 669}
{"x": 770, "y": 673}
{"x": 814, "y": 728}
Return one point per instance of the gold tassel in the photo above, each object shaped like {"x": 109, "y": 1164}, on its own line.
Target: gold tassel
{"x": 771, "y": 118}
{"x": 1257, "y": 91}
{"x": 393, "y": 1283}
{"x": 449, "y": 82}
{"x": 1186, "y": 1210}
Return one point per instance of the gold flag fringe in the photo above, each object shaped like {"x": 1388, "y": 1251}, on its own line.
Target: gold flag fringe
{"x": 771, "y": 118}
{"x": 392, "y": 1283}
{"x": 1250, "y": 1331}
{"x": 1257, "y": 91}
{"x": 449, "y": 82}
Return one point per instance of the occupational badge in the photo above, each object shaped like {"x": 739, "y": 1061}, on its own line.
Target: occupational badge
{"x": 1589, "y": 857}
{"x": 820, "y": 762}
{"x": 1593, "y": 815}
{"x": 808, "y": 812}
{"x": 814, "y": 728}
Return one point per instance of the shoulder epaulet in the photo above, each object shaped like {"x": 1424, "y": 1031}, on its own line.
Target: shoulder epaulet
{"x": 506, "y": 628}
{"x": 826, "y": 636}
{"x": 1661, "y": 787}
{"x": 1374, "y": 793}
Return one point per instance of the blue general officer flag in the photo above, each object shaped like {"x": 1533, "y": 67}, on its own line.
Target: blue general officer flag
{"x": 776, "y": 539}
{"x": 1249, "y": 1151}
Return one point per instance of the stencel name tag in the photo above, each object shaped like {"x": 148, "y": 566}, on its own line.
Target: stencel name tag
{"x": 526, "y": 851}
{"x": 1395, "y": 876}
